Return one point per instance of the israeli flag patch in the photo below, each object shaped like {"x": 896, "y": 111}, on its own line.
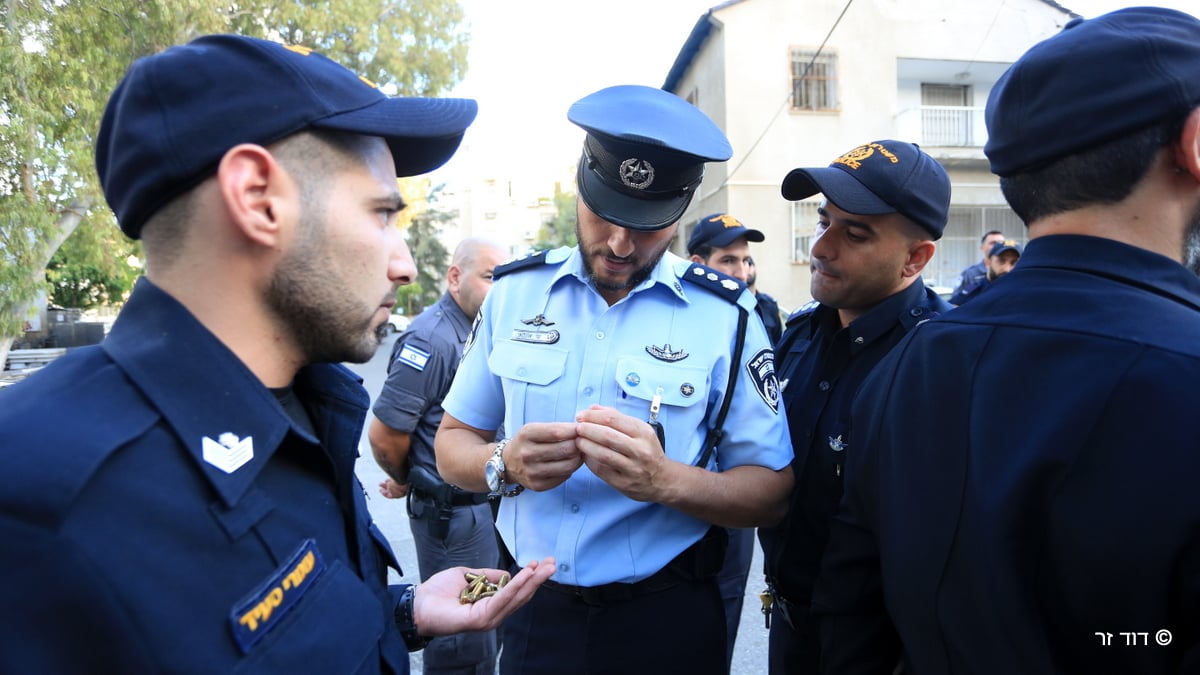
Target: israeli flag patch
{"x": 412, "y": 357}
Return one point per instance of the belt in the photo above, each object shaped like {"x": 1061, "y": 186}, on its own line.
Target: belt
{"x": 608, "y": 594}
{"x": 458, "y": 498}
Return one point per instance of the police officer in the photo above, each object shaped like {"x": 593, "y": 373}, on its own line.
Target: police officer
{"x": 609, "y": 366}
{"x": 450, "y": 527}
{"x": 976, "y": 273}
{"x": 182, "y": 498}
{"x": 1001, "y": 259}
{"x": 885, "y": 203}
{"x": 1075, "y": 549}
{"x": 723, "y": 243}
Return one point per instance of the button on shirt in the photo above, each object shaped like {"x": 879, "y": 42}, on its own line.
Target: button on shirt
{"x": 548, "y": 346}
{"x": 134, "y": 539}
{"x": 1027, "y": 477}
{"x": 424, "y": 359}
{"x": 821, "y": 366}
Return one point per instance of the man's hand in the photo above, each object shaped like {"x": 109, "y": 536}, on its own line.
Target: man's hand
{"x": 392, "y": 489}
{"x": 438, "y": 610}
{"x": 622, "y": 451}
{"x": 542, "y": 455}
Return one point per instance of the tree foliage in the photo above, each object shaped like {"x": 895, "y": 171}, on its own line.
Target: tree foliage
{"x": 429, "y": 254}
{"x": 61, "y": 58}
{"x": 561, "y": 230}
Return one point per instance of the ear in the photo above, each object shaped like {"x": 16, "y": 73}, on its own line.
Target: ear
{"x": 919, "y": 255}
{"x": 454, "y": 277}
{"x": 1187, "y": 151}
{"x": 257, "y": 192}
{"x": 696, "y": 259}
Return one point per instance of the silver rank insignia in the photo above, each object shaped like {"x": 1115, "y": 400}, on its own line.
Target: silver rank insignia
{"x": 637, "y": 173}
{"x": 541, "y": 337}
{"x": 837, "y": 444}
{"x": 729, "y": 284}
{"x": 228, "y": 453}
{"x": 664, "y": 353}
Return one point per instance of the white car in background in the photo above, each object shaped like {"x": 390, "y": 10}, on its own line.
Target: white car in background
{"x": 396, "y": 323}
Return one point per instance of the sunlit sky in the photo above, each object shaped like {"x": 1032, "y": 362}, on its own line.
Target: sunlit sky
{"x": 530, "y": 59}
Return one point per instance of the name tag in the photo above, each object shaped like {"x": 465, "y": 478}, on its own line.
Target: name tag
{"x": 265, "y": 607}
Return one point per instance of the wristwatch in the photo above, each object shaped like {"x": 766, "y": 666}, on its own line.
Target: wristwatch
{"x": 493, "y": 471}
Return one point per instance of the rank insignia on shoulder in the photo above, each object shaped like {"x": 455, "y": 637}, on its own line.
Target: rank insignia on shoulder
{"x": 664, "y": 353}
{"x": 721, "y": 284}
{"x": 228, "y": 453}
{"x": 527, "y": 262}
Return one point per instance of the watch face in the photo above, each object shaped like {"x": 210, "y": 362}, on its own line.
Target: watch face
{"x": 492, "y": 473}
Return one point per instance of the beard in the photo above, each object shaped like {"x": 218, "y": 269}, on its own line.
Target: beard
{"x": 1191, "y": 243}
{"x": 313, "y": 304}
{"x": 635, "y": 278}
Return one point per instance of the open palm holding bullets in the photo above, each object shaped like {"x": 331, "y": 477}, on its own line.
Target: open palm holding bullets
{"x": 478, "y": 587}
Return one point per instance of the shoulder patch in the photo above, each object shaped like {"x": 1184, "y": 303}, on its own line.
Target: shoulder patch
{"x": 720, "y": 284}
{"x": 761, "y": 368}
{"x": 412, "y": 357}
{"x": 527, "y": 262}
{"x": 807, "y": 308}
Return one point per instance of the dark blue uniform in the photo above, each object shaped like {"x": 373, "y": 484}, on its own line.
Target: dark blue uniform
{"x": 821, "y": 367}
{"x": 970, "y": 278}
{"x": 768, "y": 310}
{"x": 160, "y": 512}
{"x": 1024, "y": 490}
{"x": 967, "y": 293}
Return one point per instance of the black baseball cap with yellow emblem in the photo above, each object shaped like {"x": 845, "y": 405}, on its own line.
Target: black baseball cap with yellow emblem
{"x": 644, "y": 154}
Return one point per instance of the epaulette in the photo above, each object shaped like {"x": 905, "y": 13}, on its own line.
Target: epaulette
{"x": 532, "y": 260}
{"x": 805, "y": 309}
{"x": 707, "y": 278}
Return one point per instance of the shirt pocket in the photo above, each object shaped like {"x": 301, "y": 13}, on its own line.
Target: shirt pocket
{"x": 681, "y": 389}
{"x": 529, "y": 374}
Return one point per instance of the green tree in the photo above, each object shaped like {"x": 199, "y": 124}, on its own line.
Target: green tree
{"x": 429, "y": 254}
{"x": 561, "y": 230}
{"x": 62, "y": 57}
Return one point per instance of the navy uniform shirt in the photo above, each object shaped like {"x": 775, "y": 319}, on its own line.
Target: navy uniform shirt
{"x": 424, "y": 360}
{"x": 821, "y": 366}
{"x": 161, "y": 513}
{"x": 968, "y": 293}
{"x": 1026, "y": 489}
{"x": 970, "y": 278}
{"x": 768, "y": 310}
{"x": 547, "y": 345}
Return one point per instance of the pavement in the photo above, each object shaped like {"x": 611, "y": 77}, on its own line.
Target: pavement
{"x": 750, "y": 651}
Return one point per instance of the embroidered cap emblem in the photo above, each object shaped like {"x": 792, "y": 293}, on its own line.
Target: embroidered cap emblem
{"x": 228, "y": 453}
{"x": 664, "y": 353}
{"x": 637, "y": 173}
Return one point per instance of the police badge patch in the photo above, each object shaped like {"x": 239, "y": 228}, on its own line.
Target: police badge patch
{"x": 762, "y": 373}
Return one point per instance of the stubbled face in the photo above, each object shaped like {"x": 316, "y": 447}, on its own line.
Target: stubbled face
{"x": 733, "y": 260}
{"x": 474, "y": 279}
{"x": 857, "y": 261}
{"x": 617, "y": 258}
{"x": 999, "y": 265}
{"x": 332, "y": 290}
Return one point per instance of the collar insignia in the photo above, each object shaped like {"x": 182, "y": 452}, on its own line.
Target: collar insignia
{"x": 664, "y": 353}
{"x": 539, "y": 337}
{"x": 837, "y": 444}
{"x": 228, "y": 453}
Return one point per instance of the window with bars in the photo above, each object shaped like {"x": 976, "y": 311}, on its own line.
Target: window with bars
{"x": 804, "y": 228}
{"x": 814, "y": 80}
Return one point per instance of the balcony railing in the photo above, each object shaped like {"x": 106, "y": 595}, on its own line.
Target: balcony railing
{"x": 952, "y": 126}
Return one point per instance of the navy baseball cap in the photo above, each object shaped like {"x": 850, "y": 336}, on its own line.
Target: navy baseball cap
{"x": 1095, "y": 81}
{"x": 176, "y": 113}
{"x": 1002, "y": 246}
{"x": 882, "y": 177}
{"x": 719, "y": 230}
{"x": 644, "y": 154}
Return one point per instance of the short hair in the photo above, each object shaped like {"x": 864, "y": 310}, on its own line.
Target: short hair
{"x": 984, "y": 238}
{"x": 705, "y": 251}
{"x": 1104, "y": 174}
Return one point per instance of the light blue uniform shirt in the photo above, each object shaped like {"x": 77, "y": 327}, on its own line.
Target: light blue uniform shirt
{"x": 547, "y": 345}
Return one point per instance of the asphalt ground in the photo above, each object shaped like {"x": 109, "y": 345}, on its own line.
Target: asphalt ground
{"x": 750, "y": 652}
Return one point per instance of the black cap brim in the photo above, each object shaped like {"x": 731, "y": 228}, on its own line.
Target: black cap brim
{"x": 625, "y": 210}
{"x": 838, "y": 186}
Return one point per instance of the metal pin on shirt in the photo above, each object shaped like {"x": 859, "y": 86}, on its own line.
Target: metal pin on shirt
{"x": 655, "y": 405}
